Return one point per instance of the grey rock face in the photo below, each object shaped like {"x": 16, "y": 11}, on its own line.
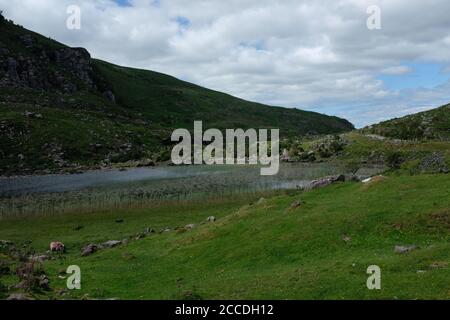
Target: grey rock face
{"x": 433, "y": 163}
{"x": 35, "y": 67}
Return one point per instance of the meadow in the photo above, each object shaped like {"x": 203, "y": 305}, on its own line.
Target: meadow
{"x": 287, "y": 245}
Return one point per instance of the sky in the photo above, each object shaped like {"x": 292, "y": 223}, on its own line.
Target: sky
{"x": 314, "y": 55}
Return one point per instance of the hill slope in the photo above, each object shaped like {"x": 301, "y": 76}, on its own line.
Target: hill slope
{"x": 433, "y": 125}
{"x": 60, "y": 109}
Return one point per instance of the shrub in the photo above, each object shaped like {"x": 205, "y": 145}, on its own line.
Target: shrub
{"x": 394, "y": 159}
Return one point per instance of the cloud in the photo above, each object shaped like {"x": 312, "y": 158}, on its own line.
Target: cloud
{"x": 397, "y": 70}
{"x": 316, "y": 55}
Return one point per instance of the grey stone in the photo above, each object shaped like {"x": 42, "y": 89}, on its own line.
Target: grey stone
{"x": 111, "y": 243}
{"x": 19, "y": 296}
{"x": 404, "y": 249}
{"x": 89, "y": 249}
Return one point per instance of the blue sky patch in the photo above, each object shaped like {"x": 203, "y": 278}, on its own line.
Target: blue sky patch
{"x": 183, "y": 22}
{"x": 423, "y": 75}
{"x": 123, "y": 3}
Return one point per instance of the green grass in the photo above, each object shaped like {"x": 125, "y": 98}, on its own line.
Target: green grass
{"x": 267, "y": 250}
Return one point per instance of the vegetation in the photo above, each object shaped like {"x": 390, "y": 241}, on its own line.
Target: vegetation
{"x": 260, "y": 249}
{"x": 430, "y": 125}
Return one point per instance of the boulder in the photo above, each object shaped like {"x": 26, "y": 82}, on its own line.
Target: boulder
{"x": 404, "y": 249}
{"x": 211, "y": 219}
{"x": 190, "y": 226}
{"x": 89, "y": 249}
{"x": 19, "y": 296}
{"x": 111, "y": 244}
{"x": 296, "y": 204}
{"x": 57, "y": 246}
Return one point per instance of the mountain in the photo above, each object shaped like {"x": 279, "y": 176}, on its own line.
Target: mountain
{"x": 431, "y": 125}
{"x": 60, "y": 109}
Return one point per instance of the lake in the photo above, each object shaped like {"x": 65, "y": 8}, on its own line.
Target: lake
{"x": 115, "y": 188}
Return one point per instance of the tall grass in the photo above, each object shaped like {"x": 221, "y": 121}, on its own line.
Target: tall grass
{"x": 241, "y": 181}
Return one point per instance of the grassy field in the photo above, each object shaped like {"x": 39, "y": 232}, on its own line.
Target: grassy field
{"x": 263, "y": 249}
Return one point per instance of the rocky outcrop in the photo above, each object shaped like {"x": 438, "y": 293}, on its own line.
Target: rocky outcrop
{"x": 433, "y": 163}
{"x": 39, "y": 67}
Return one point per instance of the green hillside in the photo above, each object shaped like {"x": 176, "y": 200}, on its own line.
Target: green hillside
{"x": 431, "y": 125}
{"x": 60, "y": 109}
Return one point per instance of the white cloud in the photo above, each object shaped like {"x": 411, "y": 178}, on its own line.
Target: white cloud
{"x": 397, "y": 70}
{"x": 316, "y": 55}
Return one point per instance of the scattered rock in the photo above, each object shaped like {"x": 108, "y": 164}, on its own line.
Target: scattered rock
{"x": 211, "y": 219}
{"x": 439, "y": 265}
{"x": 19, "y": 296}
{"x": 320, "y": 183}
{"x": 140, "y": 236}
{"x": 367, "y": 180}
{"x": 148, "y": 231}
{"x": 373, "y": 179}
{"x": 32, "y": 115}
{"x": 57, "y": 246}
{"x": 111, "y": 244}
{"x": 404, "y": 249}
{"x": 39, "y": 258}
{"x": 89, "y": 249}
{"x": 190, "y": 226}
{"x": 61, "y": 292}
{"x": 296, "y": 204}
{"x": 346, "y": 238}
{"x": 44, "y": 282}
{"x": 166, "y": 229}
{"x": 261, "y": 201}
